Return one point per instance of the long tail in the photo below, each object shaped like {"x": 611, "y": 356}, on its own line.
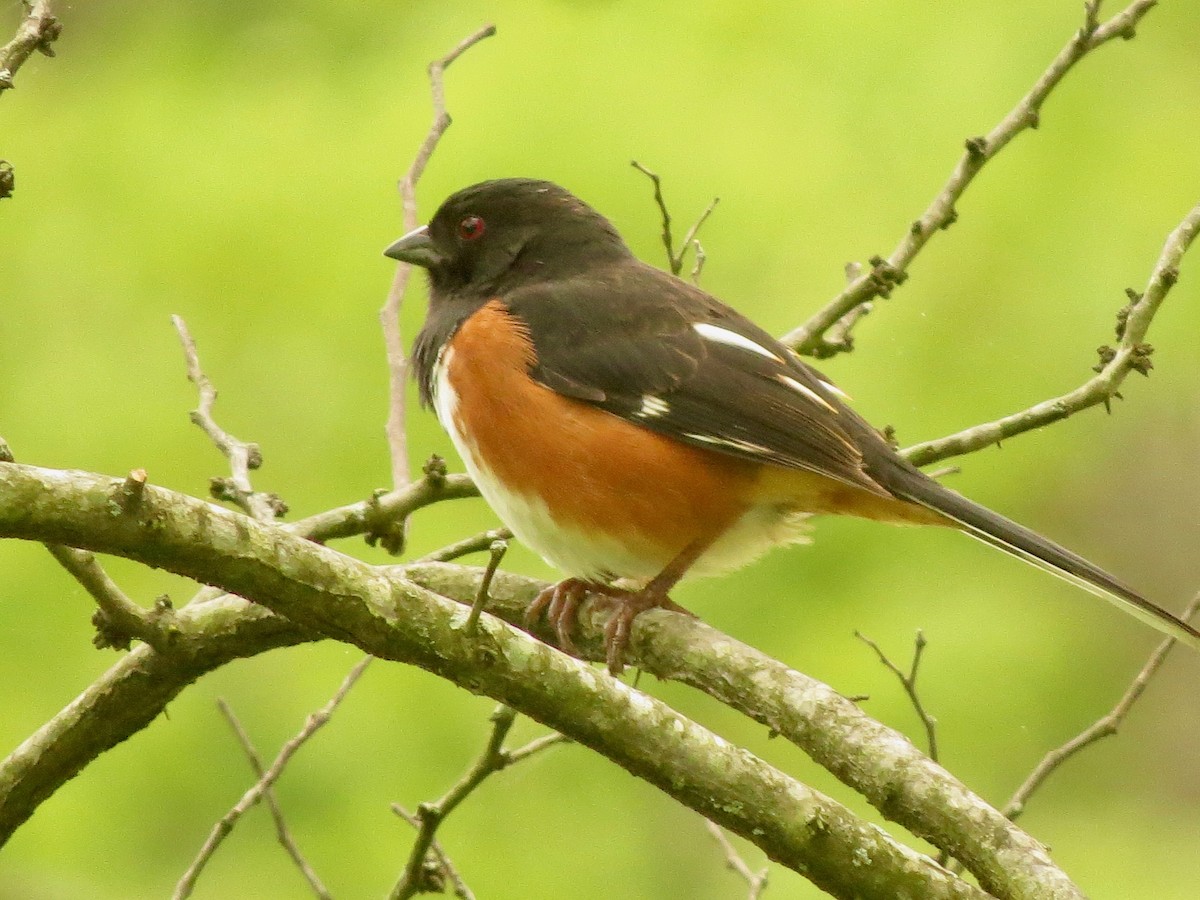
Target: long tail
{"x": 992, "y": 528}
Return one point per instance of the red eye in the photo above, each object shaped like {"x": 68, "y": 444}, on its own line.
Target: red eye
{"x": 471, "y": 228}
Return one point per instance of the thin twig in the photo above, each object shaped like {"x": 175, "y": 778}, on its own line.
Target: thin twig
{"x": 37, "y": 32}
{"x": 373, "y": 515}
{"x": 417, "y": 873}
{"x": 313, "y": 724}
{"x": 537, "y": 745}
{"x": 839, "y": 335}
{"x": 118, "y": 618}
{"x": 668, "y": 241}
{"x": 1131, "y": 354}
{"x": 675, "y": 258}
{"x": 1101, "y": 728}
{"x": 885, "y": 274}
{"x": 498, "y": 549}
{"x": 281, "y": 829}
{"x": 440, "y": 868}
{"x": 701, "y": 259}
{"x": 909, "y": 681}
{"x": 389, "y": 315}
{"x": 242, "y": 456}
{"x": 755, "y": 881}
{"x": 477, "y": 543}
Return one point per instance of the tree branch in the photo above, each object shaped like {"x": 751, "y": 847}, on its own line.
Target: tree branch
{"x": 389, "y": 315}
{"x": 879, "y": 763}
{"x": 675, "y": 257}
{"x": 131, "y": 695}
{"x": 242, "y": 456}
{"x": 1131, "y": 354}
{"x": 1103, "y": 727}
{"x": 429, "y": 816}
{"x": 756, "y": 882}
{"x": 886, "y": 274}
{"x": 282, "y": 832}
{"x": 317, "y": 720}
{"x": 908, "y": 680}
{"x": 325, "y": 592}
{"x": 37, "y": 31}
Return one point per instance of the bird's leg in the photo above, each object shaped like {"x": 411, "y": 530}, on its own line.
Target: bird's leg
{"x": 630, "y": 604}
{"x": 560, "y": 603}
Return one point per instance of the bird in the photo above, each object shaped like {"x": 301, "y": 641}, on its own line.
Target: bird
{"x": 632, "y": 429}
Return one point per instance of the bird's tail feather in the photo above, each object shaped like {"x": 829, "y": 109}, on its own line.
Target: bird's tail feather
{"x": 992, "y": 528}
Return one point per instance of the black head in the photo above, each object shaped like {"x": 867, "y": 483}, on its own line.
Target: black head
{"x": 512, "y": 229}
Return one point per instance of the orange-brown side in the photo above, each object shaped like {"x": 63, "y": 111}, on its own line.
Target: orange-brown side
{"x": 595, "y": 470}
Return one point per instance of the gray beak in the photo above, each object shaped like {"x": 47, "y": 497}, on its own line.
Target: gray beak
{"x": 416, "y": 247}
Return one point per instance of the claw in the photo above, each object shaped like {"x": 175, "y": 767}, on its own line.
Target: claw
{"x": 560, "y": 605}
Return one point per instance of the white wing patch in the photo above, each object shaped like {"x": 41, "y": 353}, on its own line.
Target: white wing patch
{"x": 652, "y": 407}
{"x": 731, "y": 443}
{"x": 719, "y": 335}
{"x": 806, "y": 391}
{"x": 834, "y": 389}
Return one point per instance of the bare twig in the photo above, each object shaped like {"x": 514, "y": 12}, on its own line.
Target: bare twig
{"x": 1101, "y": 728}
{"x": 314, "y": 723}
{"x": 885, "y": 274}
{"x": 417, "y": 872}
{"x": 37, "y": 32}
{"x": 755, "y": 881}
{"x": 242, "y": 456}
{"x": 1132, "y": 353}
{"x": 475, "y": 544}
{"x": 373, "y": 515}
{"x": 118, "y": 618}
{"x": 498, "y": 549}
{"x": 389, "y": 315}
{"x": 839, "y": 335}
{"x": 281, "y": 829}
{"x": 438, "y": 870}
{"x": 701, "y": 259}
{"x": 909, "y": 681}
{"x": 675, "y": 258}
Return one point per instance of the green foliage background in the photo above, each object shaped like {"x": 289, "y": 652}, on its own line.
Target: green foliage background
{"x": 235, "y": 163}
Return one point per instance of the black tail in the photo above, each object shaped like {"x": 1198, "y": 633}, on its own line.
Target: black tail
{"x": 992, "y": 528}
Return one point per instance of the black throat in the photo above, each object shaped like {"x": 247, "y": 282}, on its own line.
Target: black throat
{"x": 446, "y": 314}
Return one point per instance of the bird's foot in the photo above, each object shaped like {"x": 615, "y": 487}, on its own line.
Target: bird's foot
{"x": 560, "y": 604}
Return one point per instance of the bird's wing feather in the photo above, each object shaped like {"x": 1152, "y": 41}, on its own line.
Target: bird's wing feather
{"x": 667, "y": 356}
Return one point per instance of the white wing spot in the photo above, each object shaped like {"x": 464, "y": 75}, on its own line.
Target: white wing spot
{"x": 719, "y": 335}
{"x": 834, "y": 389}
{"x": 652, "y": 407}
{"x": 731, "y": 443}
{"x": 806, "y": 391}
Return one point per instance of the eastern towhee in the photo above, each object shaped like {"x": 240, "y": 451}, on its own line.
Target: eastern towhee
{"x": 627, "y": 425}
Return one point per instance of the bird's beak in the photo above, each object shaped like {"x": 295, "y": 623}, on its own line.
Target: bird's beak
{"x": 416, "y": 247}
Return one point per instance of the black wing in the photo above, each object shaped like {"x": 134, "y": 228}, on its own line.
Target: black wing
{"x": 656, "y": 351}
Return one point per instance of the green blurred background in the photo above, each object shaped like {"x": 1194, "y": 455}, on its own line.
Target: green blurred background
{"x": 236, "y": 163}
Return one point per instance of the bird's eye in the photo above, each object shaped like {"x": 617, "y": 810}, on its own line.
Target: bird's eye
{"x": 471, "y": 228}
